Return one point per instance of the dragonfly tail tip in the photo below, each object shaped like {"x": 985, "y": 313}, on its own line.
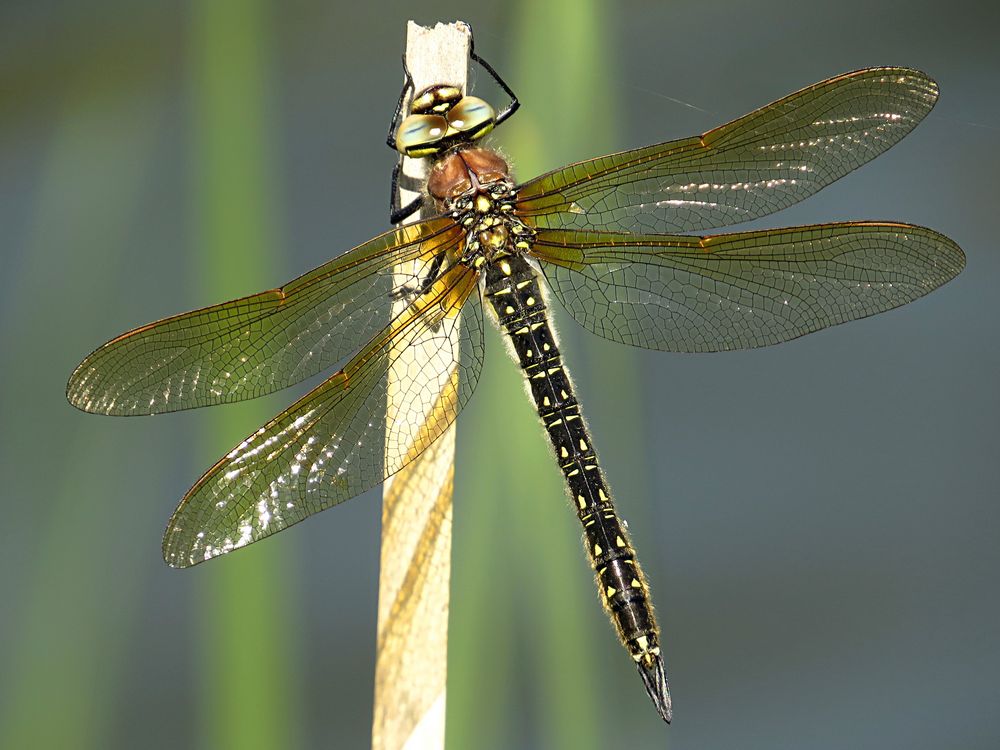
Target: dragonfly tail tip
{"x": 654, "y": 677}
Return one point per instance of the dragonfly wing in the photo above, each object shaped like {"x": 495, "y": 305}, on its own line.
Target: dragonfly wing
{"x": 740, "y": 290}
{"x": 336, "y": 441}
{"x": 748, "y": 168}
{"x": 259, "y": 344}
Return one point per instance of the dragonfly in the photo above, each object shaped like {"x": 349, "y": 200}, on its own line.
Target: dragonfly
{"x": 619, "y": 240}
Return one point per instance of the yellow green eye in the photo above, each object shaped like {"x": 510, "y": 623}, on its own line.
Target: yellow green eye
{"x": 472, "y": 116}
{"x": 418, "y": 135}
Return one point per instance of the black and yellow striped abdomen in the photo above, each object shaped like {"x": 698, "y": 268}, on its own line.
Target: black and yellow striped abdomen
{"x": 513, "y": 290}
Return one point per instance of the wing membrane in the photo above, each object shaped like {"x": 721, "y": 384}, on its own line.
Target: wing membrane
{"x": 259, "y": 344}
{"x": 740, "y": 290}
{"x": 336, "y": 442}
{"x": 751, "y": 167}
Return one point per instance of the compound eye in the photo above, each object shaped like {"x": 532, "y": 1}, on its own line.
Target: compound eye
{"x": 419, "y": 135}
{"x": 472, "y": 116}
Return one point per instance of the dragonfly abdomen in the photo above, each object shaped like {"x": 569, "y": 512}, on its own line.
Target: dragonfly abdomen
{"x": 514, "y": 292}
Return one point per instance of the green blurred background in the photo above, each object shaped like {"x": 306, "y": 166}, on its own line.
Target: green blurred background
{"x": 818, "y": 521}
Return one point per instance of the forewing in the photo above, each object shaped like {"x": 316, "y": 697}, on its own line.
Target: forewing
{"x": 259, "y": 344}
{"x": 751, "y": 167}
{"x": 740, "y": 290}
{"x": 336, "y": 442}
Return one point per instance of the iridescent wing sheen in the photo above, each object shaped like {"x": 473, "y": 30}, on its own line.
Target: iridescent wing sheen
{"x": 740, "y": 290}
{"x": 337, "y": 441}
{"x": 751, "y": 167}
{"x": 259, "y": 344}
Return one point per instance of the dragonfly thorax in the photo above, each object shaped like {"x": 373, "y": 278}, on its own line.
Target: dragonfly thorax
{"x": 473, "y": 185}
{"x": 492, "y": 229}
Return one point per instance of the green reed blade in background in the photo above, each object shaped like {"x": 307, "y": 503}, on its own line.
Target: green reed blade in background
{"x": 248, "y": 655}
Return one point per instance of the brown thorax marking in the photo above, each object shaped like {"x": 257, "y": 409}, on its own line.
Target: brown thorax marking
{"x": 464, "y": 170}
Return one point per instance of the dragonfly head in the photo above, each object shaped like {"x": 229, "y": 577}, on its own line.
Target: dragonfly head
{"x": 440, "y": 118}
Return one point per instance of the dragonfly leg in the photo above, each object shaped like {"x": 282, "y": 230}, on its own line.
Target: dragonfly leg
{"x": 397, "y": 116}
{"x": 397, "y": 211}
{"x": 399, "y": 215}
{"x": 514, "y": 102}
{"x": 412, "y": 291}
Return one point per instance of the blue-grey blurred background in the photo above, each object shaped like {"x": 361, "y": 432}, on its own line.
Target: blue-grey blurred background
{"x": 818, "y": 520}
